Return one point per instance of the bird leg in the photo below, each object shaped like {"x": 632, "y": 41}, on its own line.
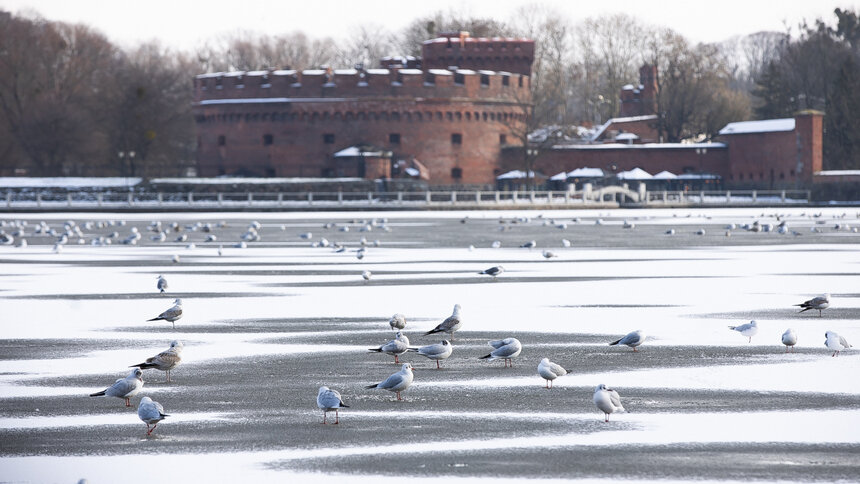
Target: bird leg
{"x": 396, "y": 360}
{"x": 325, "y": 414}
{"x": 634, "y": 349}
{"x": 336, "y": 417}
{"x": 127, "y": 402}
{"x": 606, "y": 418}
{"x": 168, "y": 376}
{"x": 398, "y": 397}
{"x": 437, "y": 365}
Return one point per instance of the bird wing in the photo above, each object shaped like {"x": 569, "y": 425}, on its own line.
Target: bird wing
{"x": 615, "y": 398}
{"x": 507, "y": 351}
{"x": 392, "y": 381}
{"x": 434, "y": 350}
{"x": 122, "y": 387}
{"x": 173, "y": 313}
{"x": 557, "y": 369}
{"x": 844, "y": 342}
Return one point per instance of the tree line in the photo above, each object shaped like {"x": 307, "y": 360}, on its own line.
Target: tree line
{"x": 72, "y": 103}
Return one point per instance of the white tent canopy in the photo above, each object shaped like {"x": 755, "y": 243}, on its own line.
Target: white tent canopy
{"x": 635, "y": 174}
{"x": 586, "y": 172}
{"x": 515, "y": 175}
{"x": 665, "y": 175}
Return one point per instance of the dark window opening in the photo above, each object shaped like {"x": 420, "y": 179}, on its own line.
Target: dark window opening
{"x": 456, "y": 173}
{"x": 456, "y": 139}
{"x": 430, "y": 79}
{"x": 741, "y": 176}
{"x": 503, "y": 139}
{"x": 506, "y": 81}
{"x": 520, "y": 81}
{"x": 328, "y": 138}
{"x": 394, "y": 138}
{"x": 485, "y": 80}
{"x": 267, "y": 139}
{"x": 791, "y": 173}
{"x": 270, "y": 172}
{"x": 459, "y": 79}
{"x": 222, "y": 140}
{"x": 782, "y": 175}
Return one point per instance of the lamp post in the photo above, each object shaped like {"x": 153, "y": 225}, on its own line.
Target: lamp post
{"x": 531, "y": 155}
{"x": 130, "y": 155}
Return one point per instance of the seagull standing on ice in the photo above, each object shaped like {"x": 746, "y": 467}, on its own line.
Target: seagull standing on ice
{"x": 164, "y": 361}
{"x": 366, "y": 276}
{"x": 820, "y": 303}
{"x": 789, "y": 339}
{"x": 632, "y": 339}
{"x": 396, "y": 347}
{"x": 328, "y": 400}
{"x": 505, "y": 349}
{"x": 398, "y": 321}
{"x": 397, "y": 382}
{"x": 161, "y": 285}
{"x": 529, "y": 245}
{"x": 549, "y": 371}
{"x": 171, "y": 314}
{"x": 607, "y": 401}
{"x": 124, "y": 388}
{"x": 151, "y": 413}
{"x": 835, "y": 342}
{"x": 452, "y": 323}
{"x": 749, "y": 330}
{"x": 494, "y": 271}
{"x": 438, "y": 351}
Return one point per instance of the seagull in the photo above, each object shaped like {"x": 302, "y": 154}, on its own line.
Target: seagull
{"x": 359, "y": 254}
{"x": 632, "y": 339}
{"x": 396, "y": 347}
{"x": 328, "y": 400}
{"x": 451, "y": 324}
{"x": 494, "y": 271}
{"x": 548, "y": 254}
{"x": 819, "y": 303}
{"x": 565, "y": 243}
{"x": 607, "y": 401}
{"x": 164, "y": 361}
{"x": 171, "y": 314}
{"x": 161, "y": 284}
{"x": 175, "y": 258}
{"x": 749, "y": 330}
{"x": 397, "y": 382}
{"x": 496, "y": 244}
{"x": 366, "y": 275}
{"x": 505, "y": 349}
{"x": 438, "y": 351}
{"x": 549, "y": 371}
{"x": 124, "y": 388}
{"x": 835, "y": 342}
{"x": 789, "y": 339}
{"x": 529, "y": 245}
{"x": 151, "y": 413}
{"x": 398, "y": 321}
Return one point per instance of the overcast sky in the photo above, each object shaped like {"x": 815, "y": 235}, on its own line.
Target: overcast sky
{"x": 184, "y": 24}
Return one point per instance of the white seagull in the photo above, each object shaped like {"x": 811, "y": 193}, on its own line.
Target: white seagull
{"x": 171, "y": 314}
{"x": 151, "y": 413}
{"x": 505, "y": 349}
{"x": 835, "y": 342}
{"x": 494, "y": 271}
{"x": 452, "y": 323}
{"x": 549, "y": 371}
{"x": 819, "y": 303}
{"x": 161, "y": 285}
{"x": 632, "y": 339}
{"x": 164, "y": 361}
{"x": 548, "y": 254}
{"x": 749, "y": 330}
{"x": 328, "y": 400}
{"x": 438, "y": 351}
{"x": 789, "y": 339}
{"x": 124, "y": 388}
{"x": 607, "y": 401}
{"x": 397, "y": 382}
{"x": 529, "y": 245}
{"x": 366, "y": 276}
{"x": 398, "y": 321}
{"x": 396, "y": 347}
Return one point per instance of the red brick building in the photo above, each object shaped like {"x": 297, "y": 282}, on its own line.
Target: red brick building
{"x": 453, "y": 116}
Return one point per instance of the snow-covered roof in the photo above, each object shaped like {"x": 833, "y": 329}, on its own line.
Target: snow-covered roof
{"x": 377, "y": 72}
{"x": 440, "y": 72}
{"x": 313, "y": 72}
{"x": 838, "y": 173}
{"x": 515, "y": 174}
{"x": 67, "y": 182}
{"x": 627, "y": 87}
{"x": 284, "y": 72}
{"x": 635, "y": 174}
{"x": 559, "y": 176}
{"x": 626, "y": 136}
{"x": 233, "y": 74}
{"x": 410, "y": 71}
{"x": 353, "y": 151}
{"x": 412, "y": 171}
{"x": 346, "y": 72}
{"x": 586, "y": 172}
{"x": 698, "y": 176}
{"x": 467, "y": 72}
{"x": 629, "y": 119}
{"x": 487, "y": 73}
{"x": 271, "y": 100}
{"x": 665, "y": 175}
{"x": 645, "y": 146}
{"x": 764, "y": 126}
{"x": 256, "y": 73}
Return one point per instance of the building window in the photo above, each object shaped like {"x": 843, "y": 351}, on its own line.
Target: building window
{"x": 506, "y": 81}
{"x": 328, "y": 138}
{"x": 485, "y": 80}
{"x": 456, "y": 173}
{"x": 503, "y": 139}
{"x": 222, "y": 140}
{"x": 394, "y": 138}
{"x": 459, "y": 79}
{"x": 267, "y": 139}
{"x": 782, "y": 175}
{"x": 791, "y": 173}
{"x": 456, "y": 139}
{"x": 520, "y": 81}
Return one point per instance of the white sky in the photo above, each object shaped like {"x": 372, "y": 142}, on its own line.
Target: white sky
{"x": 183, "y": 24}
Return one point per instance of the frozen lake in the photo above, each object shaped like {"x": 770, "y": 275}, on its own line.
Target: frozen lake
{"x": 266, "y": 324}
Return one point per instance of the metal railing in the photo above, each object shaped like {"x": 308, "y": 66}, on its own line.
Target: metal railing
{"x": 606, "y": 196}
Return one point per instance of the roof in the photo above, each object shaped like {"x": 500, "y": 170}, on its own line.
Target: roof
{"x": 635, "y": 174}
{"x": 516, "y": 174}
{"x": 66, "y": 182}
{"x": 354, "y": 151}
{"x": 586, "y": 172}
{"x": 665, "y": 175}
{"x": 764, "y": 126}
{"x": 228, "y": 180}
{"x": 629, "y": 119}
{"x": 644, "y": 146}
{"x": 838, "y": 173}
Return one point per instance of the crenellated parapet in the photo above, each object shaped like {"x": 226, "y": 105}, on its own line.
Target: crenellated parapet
{"x": 514, "y": 55}
{"x": 330, "y": 84}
